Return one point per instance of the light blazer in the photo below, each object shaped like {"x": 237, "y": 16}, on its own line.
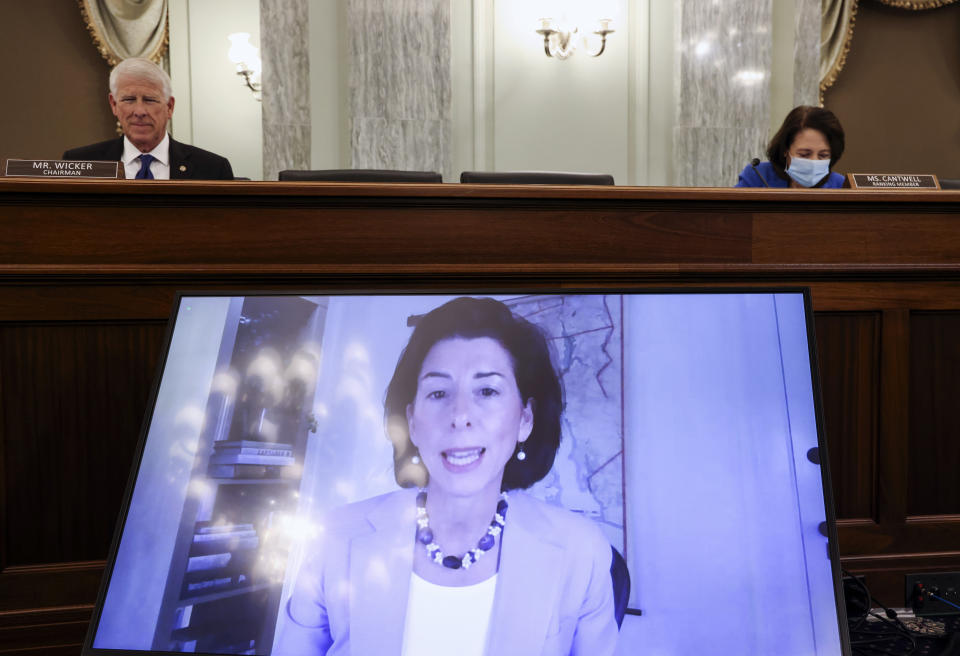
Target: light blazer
{"x": 554, "y": 593}
{"x": 196, "y": 163}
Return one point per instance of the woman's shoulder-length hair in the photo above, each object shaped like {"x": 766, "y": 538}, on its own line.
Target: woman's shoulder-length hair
{"x": 799, "y": 119}
{"x": 537, "y": 380}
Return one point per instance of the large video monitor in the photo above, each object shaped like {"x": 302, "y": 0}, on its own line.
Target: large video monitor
{"x": 322, "y": 473}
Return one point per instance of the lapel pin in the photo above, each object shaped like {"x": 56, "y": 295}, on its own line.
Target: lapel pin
{"x": 183, "y": 168}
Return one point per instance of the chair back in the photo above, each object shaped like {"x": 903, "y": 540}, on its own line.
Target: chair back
{"x": 359, "y": 175}
{"x": 621, "y": 585}
{"x": 535, "y": 177}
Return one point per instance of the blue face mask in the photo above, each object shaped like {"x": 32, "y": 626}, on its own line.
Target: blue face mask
{"x": 808, "y": 172}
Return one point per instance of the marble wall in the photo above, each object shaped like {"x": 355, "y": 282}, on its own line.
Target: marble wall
{"x": 722, "y": 87}
{"x": 390, "y": 94}
{"x": 806, "y": 52}
{"x": 399, "y": 84}
{"x": 284, "y": 49}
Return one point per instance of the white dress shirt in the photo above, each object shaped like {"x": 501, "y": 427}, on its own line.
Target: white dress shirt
{"x": 159, "y": 167}
{"x": 444, "y": 620}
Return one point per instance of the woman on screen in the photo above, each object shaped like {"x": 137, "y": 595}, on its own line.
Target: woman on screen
{"x": 462, "y": 561}
{"x": 801, "y": 154}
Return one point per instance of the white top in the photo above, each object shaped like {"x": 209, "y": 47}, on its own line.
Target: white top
{"x": 444, "y": 620}
{"x": 160, "y": 166}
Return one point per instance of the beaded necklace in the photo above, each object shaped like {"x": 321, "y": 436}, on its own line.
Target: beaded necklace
{"x": 425, "y": 535}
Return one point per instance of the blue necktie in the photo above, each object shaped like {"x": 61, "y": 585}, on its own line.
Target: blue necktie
{"x": 144, "y": 172}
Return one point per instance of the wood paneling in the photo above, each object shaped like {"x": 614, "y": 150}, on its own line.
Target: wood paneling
{"x": 58, "y": 100}
{"x": 88, "y": 271}
{"x": 53, "y": 631}
{"x": 359, "y": 236}
{"x": 934, "y": 442}
{"x": 894, "y": 419}
{"x": 847, "y": 346}
{"x": 885, "y": 574}
{"x": 74, "y": 396}
{"x": 35, "y": 588}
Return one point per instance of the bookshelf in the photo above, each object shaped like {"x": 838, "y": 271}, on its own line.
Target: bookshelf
{"x": 223, "y": 588}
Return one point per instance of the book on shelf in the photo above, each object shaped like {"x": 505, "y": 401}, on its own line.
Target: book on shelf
{"x": 246, "y": 447}
{"x": 223, "y": 539}
{"x": 245, "y": 532}
{"x": 209, "y": 562}
{"x": 203, "y": 577}
{"x": 226, "y": 445}
{"x": 249, "y": 459}
{"x": 206, "y": 528}
{"x": 241, "y": 563}
{"x": 244, "y": 471}
{"x": 216, "y": 584}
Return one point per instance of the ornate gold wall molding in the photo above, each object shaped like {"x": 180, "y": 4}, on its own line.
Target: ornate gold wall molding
{"x": 836, "y": 35}
{"x": 127, "y": 28}
{"x": 836, "y": 32}
{"x": 917, "y": 5}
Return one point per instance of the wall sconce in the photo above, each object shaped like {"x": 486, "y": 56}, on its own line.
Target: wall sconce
{"x": 247, "y": 58}
{"x": 561, "y": 44}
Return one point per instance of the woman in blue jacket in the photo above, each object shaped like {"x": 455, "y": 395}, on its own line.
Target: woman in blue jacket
{"x": 801, "y": 154}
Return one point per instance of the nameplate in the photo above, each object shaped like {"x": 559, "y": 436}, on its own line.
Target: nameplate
{"x": 891, "y": 181}
{"x": 59, "y": 168}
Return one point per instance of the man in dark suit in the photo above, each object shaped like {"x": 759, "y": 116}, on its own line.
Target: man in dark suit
{"x": 140, "y": 99}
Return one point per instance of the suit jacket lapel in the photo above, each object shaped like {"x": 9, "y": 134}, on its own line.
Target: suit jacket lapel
{"x": 380, "y": 566}
{"x": 115, "y": 152}
{"x": 180, "y": 157}
{"x": 530, "y": 563}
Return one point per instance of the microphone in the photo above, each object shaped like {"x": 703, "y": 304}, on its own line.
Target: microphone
{"x": 753, "y": 163}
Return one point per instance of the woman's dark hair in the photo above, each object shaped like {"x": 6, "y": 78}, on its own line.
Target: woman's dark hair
{"x": 799, "y": 119}
{"x": 537, "y": 380}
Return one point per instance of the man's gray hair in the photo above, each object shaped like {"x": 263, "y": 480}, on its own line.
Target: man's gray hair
{"x": 138, "y": 68}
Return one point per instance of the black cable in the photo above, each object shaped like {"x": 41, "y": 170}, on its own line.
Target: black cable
{"x": 859, "y": 620}
{"x": 900, "y": 630}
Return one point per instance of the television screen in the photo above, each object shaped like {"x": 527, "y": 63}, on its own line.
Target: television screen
{"x": 557, "y": 473}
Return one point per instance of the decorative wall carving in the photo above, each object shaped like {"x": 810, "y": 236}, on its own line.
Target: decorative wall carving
{"x": 836, "y": 32}
{"x": 127, "y": 28}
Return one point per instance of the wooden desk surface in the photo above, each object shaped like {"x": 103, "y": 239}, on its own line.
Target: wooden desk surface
{"x": 88, "y": 270}
{"x": 302, "y": 228}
